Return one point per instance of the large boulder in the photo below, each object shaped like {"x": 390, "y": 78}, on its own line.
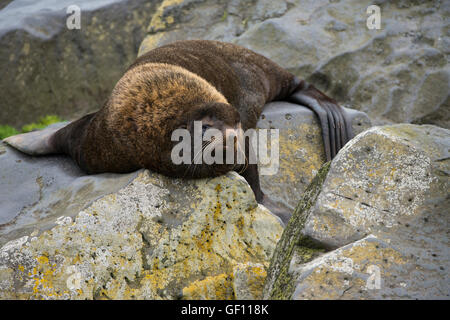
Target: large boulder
{"x": 48, "y": 69}
{"x": 398, "y": 73}
{"x": 373, "y": 224}
{"x": 134, "y": 236}
{"x": 301, "y": 151}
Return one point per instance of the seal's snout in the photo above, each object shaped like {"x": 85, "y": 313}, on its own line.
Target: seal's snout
{"x": 234, "y": 139}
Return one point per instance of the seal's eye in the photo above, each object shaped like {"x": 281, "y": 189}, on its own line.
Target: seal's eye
{"x": 204, "y": 128}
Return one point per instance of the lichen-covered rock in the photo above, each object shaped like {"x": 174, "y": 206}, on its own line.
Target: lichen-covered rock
{"x": 248, "y": 280}
{"x": 48, "y": 69}
{"x": 384, "y": 206}
{"x": 155, "y": 238}
{"x": 211, "y": 20}
{"x": 300, "y": 148}
{"x": 366, "y": 269}
{"x": 398, "y": 73}
{"x": 383, "y": 181}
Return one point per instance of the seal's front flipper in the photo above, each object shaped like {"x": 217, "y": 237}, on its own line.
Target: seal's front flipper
{"x": 335, "y": 123}
{"x": 35, "y": 143}
{"x": 251, "y": 175}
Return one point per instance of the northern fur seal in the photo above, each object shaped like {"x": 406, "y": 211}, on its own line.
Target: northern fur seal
{"x": 169, "y": 87}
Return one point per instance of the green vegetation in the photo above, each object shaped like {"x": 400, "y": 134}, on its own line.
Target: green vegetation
{"x": 225, "y": 16}
{"x": 6, "y": 131}
{"x": 42, "y": 123}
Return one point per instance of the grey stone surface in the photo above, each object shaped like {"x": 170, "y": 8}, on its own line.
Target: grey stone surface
{"x": 375, "y": 226}
{"x": 384, "y": 179}
{"x": 36, "y": 191}
{"x": 34, "y": 16}
{"x": 48, "y": 69}
{"x": 399, "y": 73}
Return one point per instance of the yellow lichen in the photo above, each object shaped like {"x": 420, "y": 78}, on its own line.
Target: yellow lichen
{"x": 355, "y": 259}
{"x": 150, "y": 42}
{"x": 212, "y": 287}
{"x": 160, "y": 22}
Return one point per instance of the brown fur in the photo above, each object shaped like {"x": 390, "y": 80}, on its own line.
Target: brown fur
{"x": 247, "y": 80}
{"x": 164, "y": 89}
{"x": 170, "y": 87}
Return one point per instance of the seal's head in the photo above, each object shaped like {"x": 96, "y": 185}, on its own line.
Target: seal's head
{"x": 211, "y": 141}
{"x": 159, "y": 113}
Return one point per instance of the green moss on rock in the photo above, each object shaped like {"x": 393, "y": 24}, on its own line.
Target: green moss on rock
{"x": 279, "y": 284}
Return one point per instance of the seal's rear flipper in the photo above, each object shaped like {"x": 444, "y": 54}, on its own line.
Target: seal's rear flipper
{"x": 35, "y": 143}
{"x": 335, "y": 123}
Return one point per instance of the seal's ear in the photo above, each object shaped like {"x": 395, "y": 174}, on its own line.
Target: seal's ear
{"x": 35, "y": 143}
